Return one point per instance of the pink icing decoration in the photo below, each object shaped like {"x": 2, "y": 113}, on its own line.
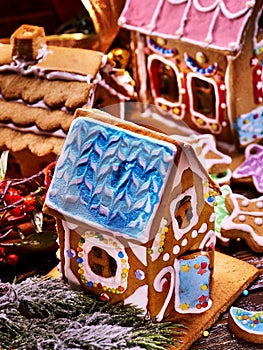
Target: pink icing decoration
{"x": 222, "y": 21}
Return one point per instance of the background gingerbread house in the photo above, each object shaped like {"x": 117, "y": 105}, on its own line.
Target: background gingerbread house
{"x": 135, "y": 216}
{"x": 40, "y": 88}
{"x": 200, "y": 62}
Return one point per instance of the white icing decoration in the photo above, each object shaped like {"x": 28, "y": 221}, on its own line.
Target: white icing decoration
{"x": 69, "y": 274}
{"x": 184, "y": 242}
{"x": 176, "y": 249}
{"x": 258, "y": 221}
{"x": 242, "y": 218}
{"x": 259, "y": 205}
{"x": 158, "y": 285}
{"x": 208, "y": 240}
{"x": 166, "y": 257}
{"x": 139, "y": 298}
{"x": 245, "y": 203}
{"x": 140, "y": 252}
{"x": 194, "y": 234}
{"x": 203, "y": 228}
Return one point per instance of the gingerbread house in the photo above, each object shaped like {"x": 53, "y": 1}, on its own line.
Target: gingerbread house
{"x": 200, "y": 62}
{"x": 40, "y": 88}
{"x": 135, "y": 216}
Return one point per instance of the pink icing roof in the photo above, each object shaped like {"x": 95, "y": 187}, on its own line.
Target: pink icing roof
{"x": 213, "y": 23}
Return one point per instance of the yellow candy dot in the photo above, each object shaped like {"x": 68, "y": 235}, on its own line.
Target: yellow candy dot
{"x": 205, "y": 333}
{"x": 204, "y": 287}
{"x": 166, "y": 229}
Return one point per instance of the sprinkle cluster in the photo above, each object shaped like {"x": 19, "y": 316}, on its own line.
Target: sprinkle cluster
{"x": 210, "y": 194}
{"x": 249, "y": 320}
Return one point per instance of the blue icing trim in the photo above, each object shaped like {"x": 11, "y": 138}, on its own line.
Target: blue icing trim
{"x": 250, "y": 321}
{"x": 194, "y": 280}
{"x": 250, "y": 126}
{"x": 110, "y": 176}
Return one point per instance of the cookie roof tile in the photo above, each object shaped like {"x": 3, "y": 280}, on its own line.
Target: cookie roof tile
{"x": 223, "y": 22}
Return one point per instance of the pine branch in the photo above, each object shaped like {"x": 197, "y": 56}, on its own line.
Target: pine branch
{"x": 44, "y": 313}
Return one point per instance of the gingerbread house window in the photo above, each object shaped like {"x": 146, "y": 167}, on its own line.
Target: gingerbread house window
{"x": 184, "y": 212}
{"x": 165, "y": 81}
{"x": 101, "y": 263}
{"x": 204, "y": 100}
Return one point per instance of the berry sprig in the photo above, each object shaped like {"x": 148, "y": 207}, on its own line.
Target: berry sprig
{"x": 21, "y": 201}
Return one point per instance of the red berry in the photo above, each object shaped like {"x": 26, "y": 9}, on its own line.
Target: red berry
{"x": 30, "y": 201}
{"x": 12, "y": 259}
{"x": 12, "y": 196}
{"x": 16, "y": 211}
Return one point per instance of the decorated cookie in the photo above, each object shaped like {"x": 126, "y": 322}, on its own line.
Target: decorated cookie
{"x": 251, "y": 168}
{"x": 216, "y": 162}
{"x": 245, "y": 220}
{"x": 247, "y": 325}
{"x": 221, "y": 213}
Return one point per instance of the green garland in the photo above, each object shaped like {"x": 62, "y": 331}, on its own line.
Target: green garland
{"x": 44, "y": 313}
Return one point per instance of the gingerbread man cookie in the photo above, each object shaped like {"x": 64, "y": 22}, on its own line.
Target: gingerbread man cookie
{"x": 252, "y": 167}
{"x": 245, "y": 220}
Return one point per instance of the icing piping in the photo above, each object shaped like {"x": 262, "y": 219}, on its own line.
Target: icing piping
{"x": 158, "y": 286}
{"x": 68, "y": 272}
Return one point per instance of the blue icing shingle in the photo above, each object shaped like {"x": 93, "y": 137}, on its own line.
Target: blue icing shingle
{"x": 110, "y": 177}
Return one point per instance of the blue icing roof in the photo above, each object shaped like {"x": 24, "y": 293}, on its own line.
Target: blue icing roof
{"x": 110, "y": 177}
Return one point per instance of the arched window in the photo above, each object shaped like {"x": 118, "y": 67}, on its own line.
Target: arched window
{"x": 204, "y": 99}
{"x": 101, "y": 263}
{"x": 164, "y": 81}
